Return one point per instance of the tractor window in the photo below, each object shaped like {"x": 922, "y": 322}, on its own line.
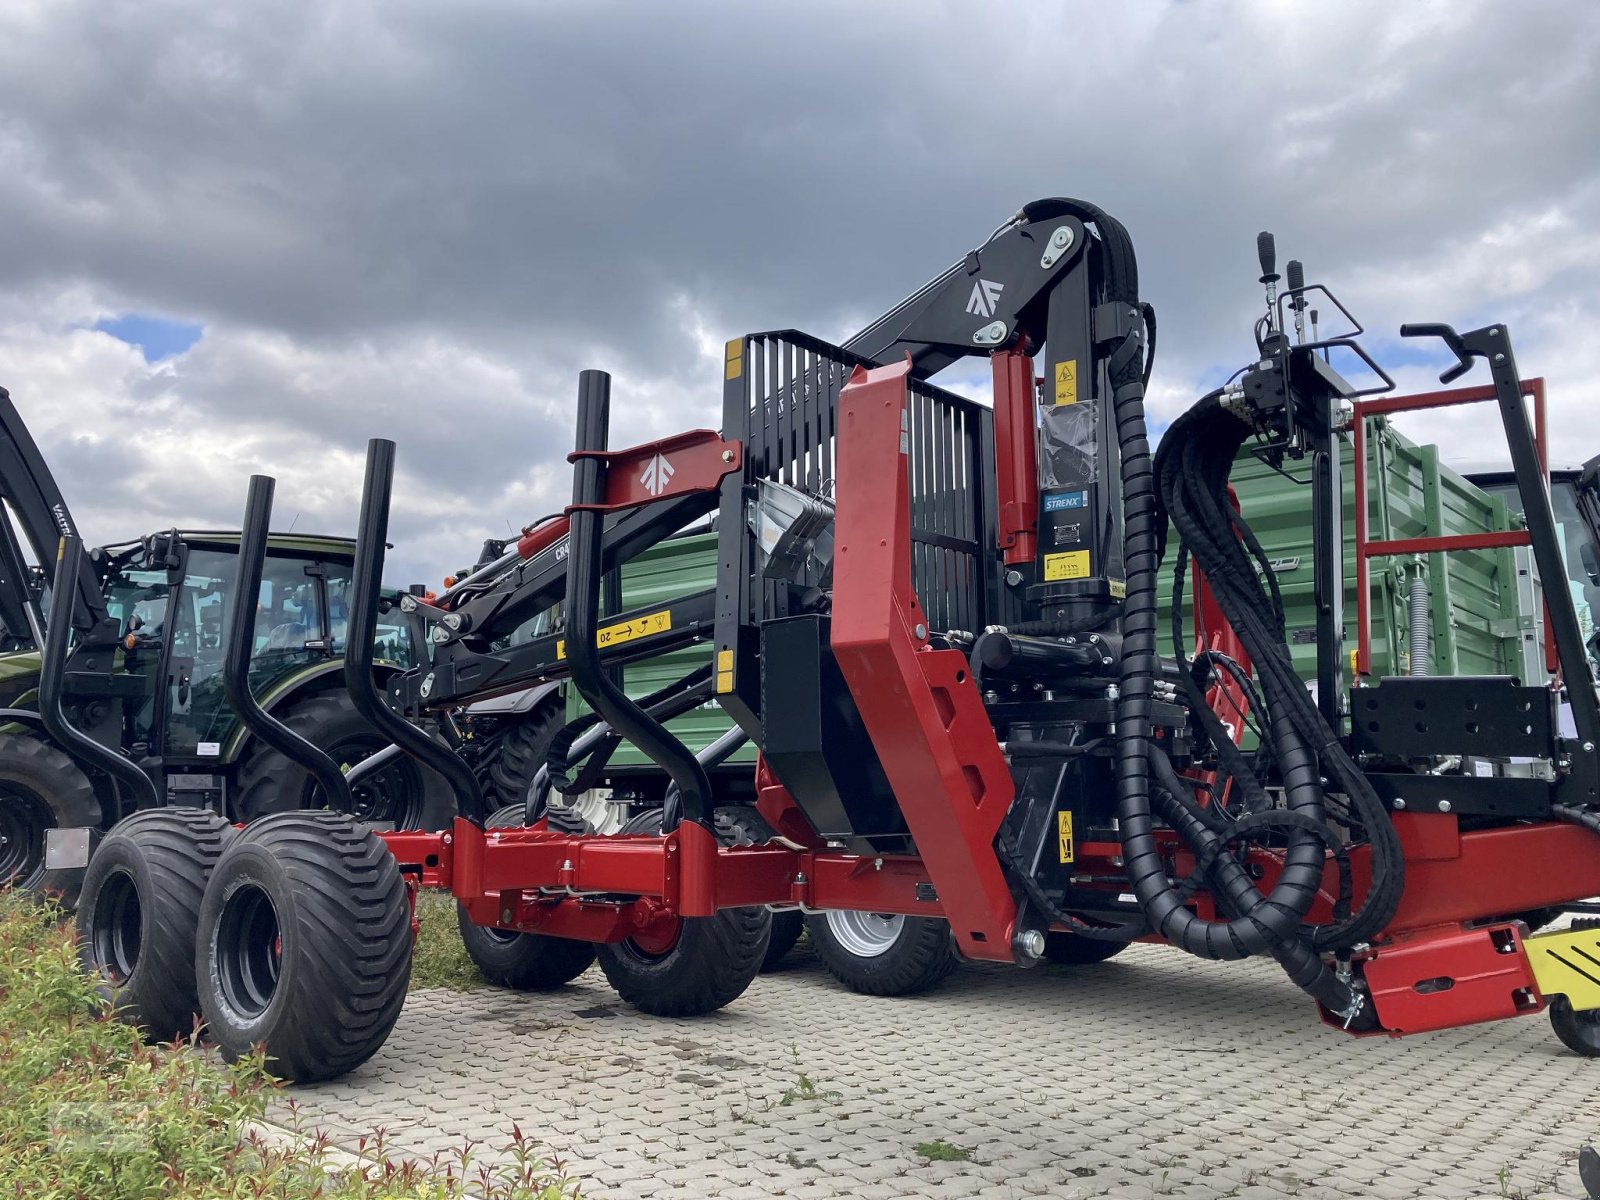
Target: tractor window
{"x": 288, "y": 616}
{"x": 394, "y": 642}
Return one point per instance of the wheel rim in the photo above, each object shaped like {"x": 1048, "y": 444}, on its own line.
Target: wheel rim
{"x": 595, "y": 807}
{"x": 118, "y": 927}
{"x": 249, "y": 951}
{"x": 866, "y": 935}
{"x": 394, "y": 794}
{"x": 24, "y": 817}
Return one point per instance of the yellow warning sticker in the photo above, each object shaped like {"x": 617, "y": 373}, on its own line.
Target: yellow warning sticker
{"x": 1069, "y": 849}
{"x": 1118, "y": 588}
{"x": 1067, "y": 382}
{"x": 724, "y": 671}
{"x": 626, "y": 631}
{"x": 735, "y": 359}
{"x": 1074, "y": 564}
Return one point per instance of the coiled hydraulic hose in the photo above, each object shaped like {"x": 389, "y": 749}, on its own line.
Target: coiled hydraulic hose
{"x": 1257, "y": 924}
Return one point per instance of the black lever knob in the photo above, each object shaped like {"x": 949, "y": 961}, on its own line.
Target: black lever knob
{"x": 1297, "y": 281}
{"x": 1267, "y": 252}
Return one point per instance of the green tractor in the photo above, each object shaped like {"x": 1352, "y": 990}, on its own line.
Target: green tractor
{"x": 134, "y": 714}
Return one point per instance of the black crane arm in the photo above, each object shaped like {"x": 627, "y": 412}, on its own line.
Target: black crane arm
{"x": 33, "y": 501}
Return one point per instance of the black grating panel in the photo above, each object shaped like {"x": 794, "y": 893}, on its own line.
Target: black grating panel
{"x": 792, "y": 390}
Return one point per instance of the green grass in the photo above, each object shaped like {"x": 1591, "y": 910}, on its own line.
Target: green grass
{"x": 88, "y": 1110}
{"x": 937, "y": 1151}
{"x": 440, "y": 960}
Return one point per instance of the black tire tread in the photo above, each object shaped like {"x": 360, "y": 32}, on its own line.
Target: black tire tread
{"x": 715, "y": 958}
{"x": 265, "y": 777}
{"x": 530, "y": 962}
{"x": 351, "y": 910}
{"x": 179, "y": 848}
{"x": 64, "y": 787}
{"x": 924, "y": 956}
{"x": 521, "y": 752}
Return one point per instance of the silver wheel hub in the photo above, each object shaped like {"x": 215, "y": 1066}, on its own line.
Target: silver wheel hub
{"x": 866, "y": 935}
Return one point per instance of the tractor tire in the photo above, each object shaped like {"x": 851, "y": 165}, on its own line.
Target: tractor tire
{"x": 41, "y": 788}
{"x": 742, "y": 826}
{"x": 140, "y": 910}
{"x": 705, "y": 965}
{"x": 524, "y": 962}
{"x": 520, "y": 752}
{"x": 882, "y": 955}
{"x": 787, "y": 926}
{"x": 1070, "y": 950}
{"x": 403, "y": 793}
{"x": 304, "y": 945}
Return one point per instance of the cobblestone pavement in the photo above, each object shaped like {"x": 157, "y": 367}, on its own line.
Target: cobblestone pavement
{"x": 1154, "y": 1074}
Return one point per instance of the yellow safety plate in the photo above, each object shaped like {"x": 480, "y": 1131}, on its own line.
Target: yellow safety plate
{"x": 1067, "y": 382}
{"x": 626, "y": 631}
{"x": 1566, "y": 962}
{"x": 1074, "y": 564}
{"x": 1069, "y": 849}
{"x": 724, "y": 671}
{"x": 735, "y": 359}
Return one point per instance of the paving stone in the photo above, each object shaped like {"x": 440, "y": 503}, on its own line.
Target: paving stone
{"x": 1156, "y": 1074}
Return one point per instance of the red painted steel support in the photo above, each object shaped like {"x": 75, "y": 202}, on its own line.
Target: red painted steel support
{"x": 693, "y": 461}
{"x": 920, "y": 706}
{"x": 1366, "y": 549}
{"x": 1016, "y": 461}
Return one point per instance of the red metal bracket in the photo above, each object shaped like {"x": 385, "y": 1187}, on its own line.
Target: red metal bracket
{"x": 693, "y": 461}
{"x": 1442, "y": 979}
{"x": 920, "y": 706}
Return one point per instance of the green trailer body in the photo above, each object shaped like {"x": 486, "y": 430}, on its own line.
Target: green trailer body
{"x": 1476, "y": 622}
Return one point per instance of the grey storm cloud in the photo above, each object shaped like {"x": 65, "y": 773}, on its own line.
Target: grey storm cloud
{"x": 420, "y": 221}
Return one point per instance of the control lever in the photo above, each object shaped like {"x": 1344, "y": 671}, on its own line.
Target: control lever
{"x": 1267, "y": 252}
{"x": 1297, "y": 285}
{"x": 1450, "y": 338}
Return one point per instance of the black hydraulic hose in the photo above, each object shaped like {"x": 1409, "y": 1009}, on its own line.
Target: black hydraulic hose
{"x": 1193, "y": 469}
{"x": 52, "y": 684}
{"x": 1261, "y": 924}
{"x": 239, "y": 641}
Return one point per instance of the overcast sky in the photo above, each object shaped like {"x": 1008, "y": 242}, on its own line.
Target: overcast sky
{"x": 421, "y": 220}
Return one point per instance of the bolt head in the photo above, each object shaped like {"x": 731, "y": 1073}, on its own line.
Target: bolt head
{"x": 921, "y": 630}
{"x": 1588, "y": 747}
{"x": 1030, "y": 942}
{"x": 1013, "y": 578}
{"x": 505, "y": 915}
{"x": 1444, "y": 806}
{"x": 727, "y": 456}
{"x": 1399, "y": 803}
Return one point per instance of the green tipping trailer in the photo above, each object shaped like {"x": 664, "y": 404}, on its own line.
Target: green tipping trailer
{"x": 1477, "y": 622}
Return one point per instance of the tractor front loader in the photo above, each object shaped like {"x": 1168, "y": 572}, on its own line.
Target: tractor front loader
{"x": 936, "y": 621}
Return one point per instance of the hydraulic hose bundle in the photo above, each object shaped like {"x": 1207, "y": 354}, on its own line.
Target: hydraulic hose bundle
{"x": 1197, "y": 454}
